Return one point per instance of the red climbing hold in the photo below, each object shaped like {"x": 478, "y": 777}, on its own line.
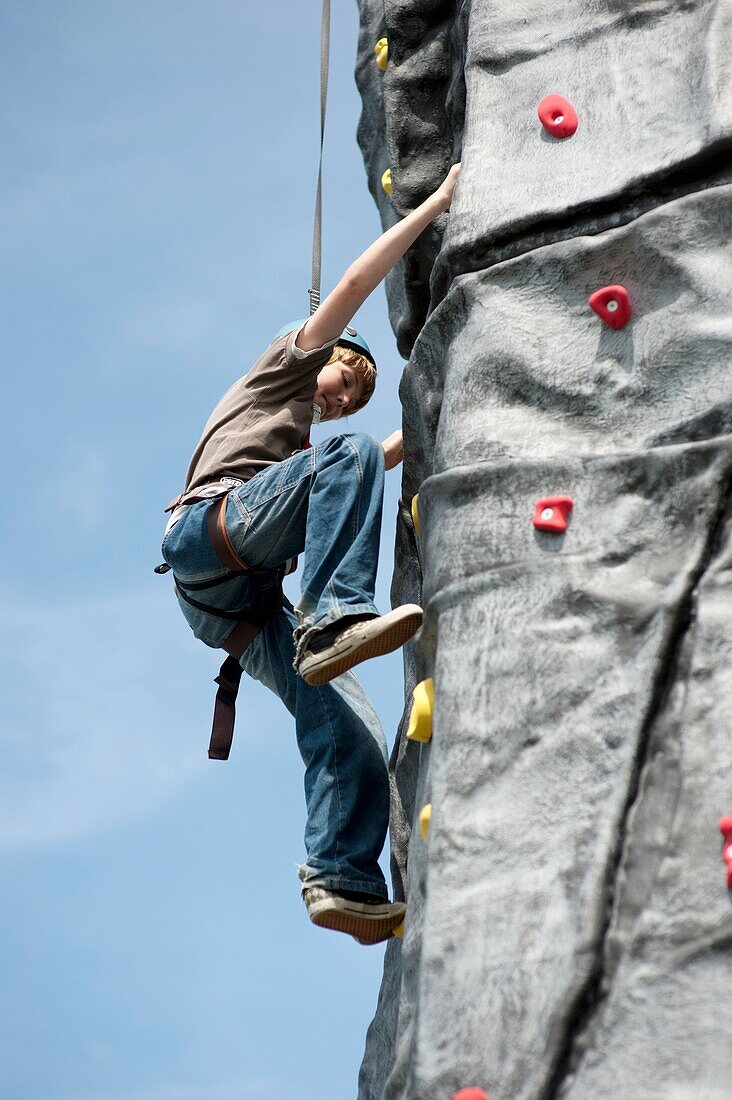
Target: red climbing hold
{"x": 612, "y": 303}
{"x": 551, "y": 513}
{"x": 470, "y": 1094}
{"x": 558, "y": 116}
{"x": 725, "y": 828}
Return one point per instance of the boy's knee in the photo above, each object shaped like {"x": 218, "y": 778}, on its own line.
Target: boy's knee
{"x": 358, "y": 448}
{"x": 365, "y": 444}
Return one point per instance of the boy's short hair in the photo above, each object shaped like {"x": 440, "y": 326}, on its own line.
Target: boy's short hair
{"x": 364, "y": 370}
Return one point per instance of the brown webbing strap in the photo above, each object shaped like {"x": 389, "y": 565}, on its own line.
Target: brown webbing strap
{"x": 216, "y": 524}
{"x": 224, "y": 716}
{"x": 229, "y": 677}
{"x": 222, "y": 731}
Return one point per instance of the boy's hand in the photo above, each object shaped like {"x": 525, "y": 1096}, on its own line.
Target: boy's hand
{"x": 446, "y": 188}
{"x": 393, "y": 449}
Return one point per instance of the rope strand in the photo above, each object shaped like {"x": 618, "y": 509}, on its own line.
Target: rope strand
{"x": 314, "y": 291}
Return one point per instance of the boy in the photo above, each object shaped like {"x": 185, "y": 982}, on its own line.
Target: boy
{"x": 256, "y": 495}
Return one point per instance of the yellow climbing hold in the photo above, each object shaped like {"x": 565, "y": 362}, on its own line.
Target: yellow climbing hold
{"x": 415, "y": 514}
{"x": 420, "y": 720}
{"x": 398, "y": 931}
{"x": 386, "y": 181}
{"x": 424, "y": 822}
{"x": 381, "y": 49}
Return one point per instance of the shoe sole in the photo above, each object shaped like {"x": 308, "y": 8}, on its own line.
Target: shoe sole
{"x": 366, "y": 929}
{"x": 318, "y": 672}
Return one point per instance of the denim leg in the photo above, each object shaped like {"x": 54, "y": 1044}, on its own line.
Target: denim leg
{"x": 187, "y": 549}
{"x": 344, "y": 524}
{"x": 346, "y": 772}
{"x": 326, "y": 503}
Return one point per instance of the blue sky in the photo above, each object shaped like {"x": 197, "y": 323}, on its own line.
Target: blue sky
{"x": 157, "y": 191}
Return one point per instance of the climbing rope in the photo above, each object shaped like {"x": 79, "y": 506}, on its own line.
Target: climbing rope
{"x": 314, "y": 291}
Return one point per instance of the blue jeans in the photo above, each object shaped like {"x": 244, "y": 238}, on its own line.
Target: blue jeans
{"x": 324, "y": 503}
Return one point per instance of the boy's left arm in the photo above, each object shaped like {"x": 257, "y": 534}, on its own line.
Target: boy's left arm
{"x": 365, "y": 273}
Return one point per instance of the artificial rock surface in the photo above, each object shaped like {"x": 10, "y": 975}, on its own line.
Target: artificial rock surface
{"x": 569, "y": 932}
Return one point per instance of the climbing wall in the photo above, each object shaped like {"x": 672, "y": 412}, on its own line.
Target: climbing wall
{"x": 568, "y": 419}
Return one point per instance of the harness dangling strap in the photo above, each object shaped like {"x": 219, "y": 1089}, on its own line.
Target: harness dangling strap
{"x": 229, "y": 677}
{"x": 222, "y": 731}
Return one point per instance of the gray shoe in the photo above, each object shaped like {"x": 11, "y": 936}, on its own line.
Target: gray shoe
{"x": 370, "y": 637}
{"x": 367, "y": 921}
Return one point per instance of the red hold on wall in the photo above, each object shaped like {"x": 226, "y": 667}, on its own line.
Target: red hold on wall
{"x": 725, "y": 828}
{"x": 552, "y": 513}
{"x": 612, "y": 304}
{"x": 558, "y": 116}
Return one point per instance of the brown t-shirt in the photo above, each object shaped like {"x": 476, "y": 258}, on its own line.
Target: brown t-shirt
{"x": 262, "y": 419}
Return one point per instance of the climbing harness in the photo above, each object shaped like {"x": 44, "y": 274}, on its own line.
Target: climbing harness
{"x": 314, "y": 291}
{"x": 243, "y": 634}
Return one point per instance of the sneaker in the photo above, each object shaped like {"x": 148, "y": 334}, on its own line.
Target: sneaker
{"x": 369, "y": 921}
{"x": 335, "y": 649}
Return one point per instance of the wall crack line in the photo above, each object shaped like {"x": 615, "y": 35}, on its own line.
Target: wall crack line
{"x": 589, "y": 1002}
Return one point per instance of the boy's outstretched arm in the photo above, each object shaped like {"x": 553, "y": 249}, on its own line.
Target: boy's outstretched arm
{"x": 365, "y": 273}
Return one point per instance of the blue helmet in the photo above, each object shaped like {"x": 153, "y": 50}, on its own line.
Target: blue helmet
{"x": 349, "y": 338}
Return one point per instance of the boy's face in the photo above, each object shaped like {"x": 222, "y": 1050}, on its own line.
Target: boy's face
{"x": 338, "y": 390}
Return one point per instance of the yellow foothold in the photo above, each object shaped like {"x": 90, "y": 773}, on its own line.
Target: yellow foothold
{"x": 420, "y": 720}
{"x": 424, "y": 822}
{"x": 381, "y": 49}
{"x": 386, "y": 181}
{"x": 415, "y": 514}
{"x": 398, "y": 931}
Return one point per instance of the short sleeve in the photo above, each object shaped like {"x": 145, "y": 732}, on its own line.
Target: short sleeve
{"x": 296, "y": 356}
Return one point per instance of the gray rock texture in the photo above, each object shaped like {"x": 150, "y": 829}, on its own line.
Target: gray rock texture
{"x": 569, "y": 932}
